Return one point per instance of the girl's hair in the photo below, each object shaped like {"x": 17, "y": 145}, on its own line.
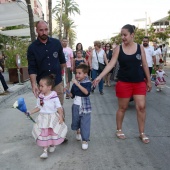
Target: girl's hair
{"x": 130, "y": 28}
{"x": 78, "y": 45}
{"x": 50, "y": 80}
{"x": 79, "y": 51}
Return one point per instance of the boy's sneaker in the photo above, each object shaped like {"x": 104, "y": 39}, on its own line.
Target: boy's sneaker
{"x": 78, "y": 136}
{"x": 51, "y": 149}
{"x": 44, "y": 155}
{"x": 84, "y": 145}
{"x": 157, "y": 89}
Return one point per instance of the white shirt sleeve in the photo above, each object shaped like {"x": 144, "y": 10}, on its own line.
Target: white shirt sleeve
{"x": 57, "y": 103}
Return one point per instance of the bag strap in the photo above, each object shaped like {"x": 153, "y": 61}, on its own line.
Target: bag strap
{"x": 97, "y": 56}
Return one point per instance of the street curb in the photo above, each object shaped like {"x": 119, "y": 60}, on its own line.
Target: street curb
{"x": 20, "y": 89}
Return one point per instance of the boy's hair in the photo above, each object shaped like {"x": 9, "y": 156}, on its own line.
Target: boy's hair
{"x": 50, "y": 80}
{"x": 84, "y": 67}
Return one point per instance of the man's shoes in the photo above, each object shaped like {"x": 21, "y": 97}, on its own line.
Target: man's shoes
{"x": 51, "y": 149}
{"x": 84, "y": 145}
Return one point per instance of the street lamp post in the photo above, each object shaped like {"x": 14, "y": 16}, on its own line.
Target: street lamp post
{"x": 143, "y": 19}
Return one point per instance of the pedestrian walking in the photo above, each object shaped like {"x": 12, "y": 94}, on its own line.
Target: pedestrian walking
{"x": 79, "y": 59}
{"x": 81, "y": 108}
{"x": 150, "y": 55}
{"x": 130, "y": 80}
{"x": 97, "y": 56}
{"x": 160, "y": 78}
{"x": 45, "y": 56}
{"x": 79, "y": 46}
{"x": 158, "y": 53}
{"x": 68, "y": 53}
{"x": 3, "y": 82}
{"x": 109, "y": 53}
{"x": 49, "y": 129}
{"x": 164, "y": 53}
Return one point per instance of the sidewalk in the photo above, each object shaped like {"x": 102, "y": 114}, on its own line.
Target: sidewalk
{"x": 16, "y": 89}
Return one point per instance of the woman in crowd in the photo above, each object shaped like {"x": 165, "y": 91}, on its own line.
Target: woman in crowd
{"x": 108, "y": 52}
{"x": 97, "y": 55}
{"x": 130, "y": 80}
{"x": 79, "y": 46}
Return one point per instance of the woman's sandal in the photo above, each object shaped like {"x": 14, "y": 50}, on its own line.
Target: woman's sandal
{"x": 144, "y": 138}
{"x": 120, "y": 135}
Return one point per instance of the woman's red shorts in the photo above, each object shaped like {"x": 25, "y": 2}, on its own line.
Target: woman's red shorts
{"x": 128, "y": 89}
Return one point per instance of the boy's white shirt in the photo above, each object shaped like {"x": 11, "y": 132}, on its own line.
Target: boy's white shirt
{"x": 77, "y": 100}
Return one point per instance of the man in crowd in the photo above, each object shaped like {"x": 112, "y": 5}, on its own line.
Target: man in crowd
{"x": 68, "y": 53}
{"x": 150, "y": 55}
{"x": 45, "y": 57}
{"x": 164, "y": 53}
{"x": 158, "y": 53}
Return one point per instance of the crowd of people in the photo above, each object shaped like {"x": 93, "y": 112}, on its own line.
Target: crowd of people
{"x": 52, "y": 62}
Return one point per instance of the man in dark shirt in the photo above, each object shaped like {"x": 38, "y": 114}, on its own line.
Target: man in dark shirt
{"x": 45, "y": 57}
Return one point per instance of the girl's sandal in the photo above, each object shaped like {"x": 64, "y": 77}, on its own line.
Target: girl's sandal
{"x": 120, "y": 135}
{"x": 144, "y": 138}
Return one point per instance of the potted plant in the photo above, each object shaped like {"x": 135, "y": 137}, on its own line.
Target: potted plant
{"x": 16, "y": 47}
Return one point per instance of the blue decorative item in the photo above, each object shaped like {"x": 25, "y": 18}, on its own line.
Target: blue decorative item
{"x": 20, "y": 105}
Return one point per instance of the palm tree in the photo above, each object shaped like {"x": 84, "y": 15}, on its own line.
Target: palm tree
{"x": 66, "y": 7}
{"x": 31, "y": 20}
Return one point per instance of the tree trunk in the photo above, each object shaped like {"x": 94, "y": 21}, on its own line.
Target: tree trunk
{"x": 50, "y": 16}
{"x": 31, "y": 20}
{"x": 60, "y": 27}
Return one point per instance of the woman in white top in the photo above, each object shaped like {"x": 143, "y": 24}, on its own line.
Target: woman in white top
{"x": 93, "y": 61}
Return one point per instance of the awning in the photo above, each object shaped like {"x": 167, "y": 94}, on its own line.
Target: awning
{"x": 14, "y": 13}
{"x": 163, "y": 21}
{"x": 17, "y": 32}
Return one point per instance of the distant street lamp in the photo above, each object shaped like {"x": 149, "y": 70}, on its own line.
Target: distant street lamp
{"x": 143, "y": 19}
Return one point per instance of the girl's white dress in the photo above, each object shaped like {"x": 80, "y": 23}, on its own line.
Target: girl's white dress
{"x": 47, "y": 130}
{"x": 160, "y": 80}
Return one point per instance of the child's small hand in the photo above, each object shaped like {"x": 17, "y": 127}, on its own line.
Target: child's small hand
{"x": 61, "y": 119}
{"x": 27, "y": 113}
{"x": 75, "y": 81}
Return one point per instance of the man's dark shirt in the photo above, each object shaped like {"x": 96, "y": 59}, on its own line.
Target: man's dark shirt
{"x": 45, "y": 59}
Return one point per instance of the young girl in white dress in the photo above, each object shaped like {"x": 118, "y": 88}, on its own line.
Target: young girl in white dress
{"x": 160, "y": 78}
{"x": 49, "y": 129}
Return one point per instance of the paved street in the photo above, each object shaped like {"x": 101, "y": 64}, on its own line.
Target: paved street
{"x": 19, "y": 151}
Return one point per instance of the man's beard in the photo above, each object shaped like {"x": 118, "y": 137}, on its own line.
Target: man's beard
{"x": 43, "y": 37}
{"x": 145, "y": 45}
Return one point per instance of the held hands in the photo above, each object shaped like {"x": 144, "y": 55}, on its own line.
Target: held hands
{"x": 96, "y": 81}
{"x": 35, "y": 90}
{"x": 27, "y": 113}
